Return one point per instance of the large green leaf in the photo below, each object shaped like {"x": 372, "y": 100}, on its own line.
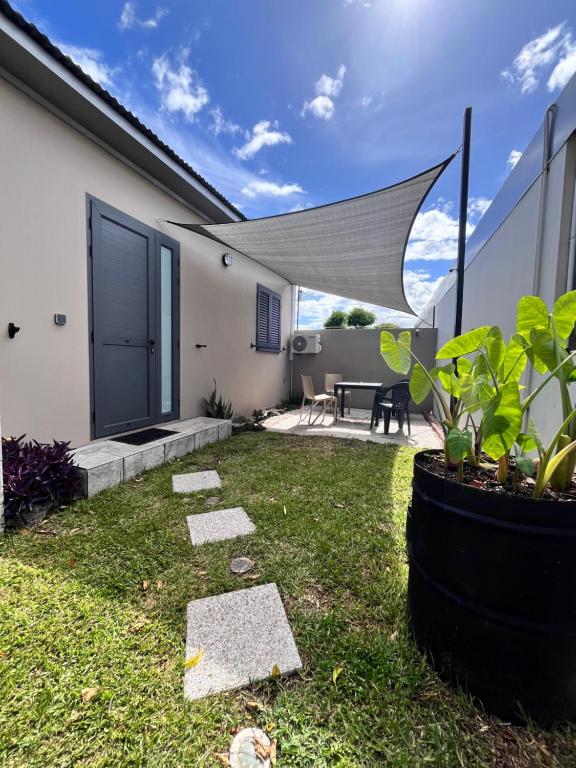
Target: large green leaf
{"x": 502, "y": 421}
{"x": 464, "y": 344}
{"x": 447, "y": 377}
{"x": 564, "y": 313}
{"x": 476, "y": 392}
{"x": 495, "y": 348}
{"x": 526, "y": 442}
{"x": 396, "y": 353}
{"x": 543, "y": 348}
{"x": 532, "y": 313}
{"x": 514, "y": 361}
{"x": 464, "y": 366}
{"x": 420, "y": 384}
{"x": 547, "y": 353}
{"x": 459, "y": 443}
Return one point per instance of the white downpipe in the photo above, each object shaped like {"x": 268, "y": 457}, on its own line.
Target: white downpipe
{"x": 293, "y": 293}
{"x": 546, "y": 158}
{"x": 572, "y": 246}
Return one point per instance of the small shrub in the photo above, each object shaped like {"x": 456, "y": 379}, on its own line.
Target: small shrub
{"x": 215, "y": 407}
{"x": 36, "y": 475}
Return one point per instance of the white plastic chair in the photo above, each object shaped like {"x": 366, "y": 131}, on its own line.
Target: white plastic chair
{"x": 323, "y": 400}
{"x": 333, "y": 378}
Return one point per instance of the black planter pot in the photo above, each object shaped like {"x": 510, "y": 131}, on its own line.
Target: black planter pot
{"x": 492, "y": 594}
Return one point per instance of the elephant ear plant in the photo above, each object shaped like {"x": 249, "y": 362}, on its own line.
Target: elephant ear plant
{"x": 479, "y": 394}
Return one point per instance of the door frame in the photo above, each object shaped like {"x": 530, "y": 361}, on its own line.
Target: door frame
{"x": 157, "y": 239}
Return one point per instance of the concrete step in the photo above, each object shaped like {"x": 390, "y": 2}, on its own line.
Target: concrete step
{"x": 106, "y": 463}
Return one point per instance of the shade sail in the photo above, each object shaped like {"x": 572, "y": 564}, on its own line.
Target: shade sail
{"x": 353, "y": 248}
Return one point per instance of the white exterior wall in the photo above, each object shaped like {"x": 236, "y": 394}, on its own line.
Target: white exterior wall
{"x": 48, "y": 168}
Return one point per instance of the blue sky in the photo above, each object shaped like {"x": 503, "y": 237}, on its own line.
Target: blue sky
{"x": 287, "y": 105}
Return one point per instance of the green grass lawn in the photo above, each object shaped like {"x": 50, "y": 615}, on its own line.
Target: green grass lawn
{"x": 96, "y": 597}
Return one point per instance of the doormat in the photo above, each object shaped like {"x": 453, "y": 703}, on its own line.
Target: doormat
{"x": 146, "y": 436}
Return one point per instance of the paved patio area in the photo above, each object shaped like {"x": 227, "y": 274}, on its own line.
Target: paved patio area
{"x": 355, "y": 425}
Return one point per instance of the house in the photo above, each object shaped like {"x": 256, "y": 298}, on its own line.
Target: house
{"x": 525, "y": 243}
{"x": 110, "y": 318}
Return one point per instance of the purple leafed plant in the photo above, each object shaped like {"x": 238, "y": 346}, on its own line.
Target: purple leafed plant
{"x": 35, "y": 475}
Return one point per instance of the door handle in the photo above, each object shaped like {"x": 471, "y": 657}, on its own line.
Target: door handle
{"x": 152, "y": 345}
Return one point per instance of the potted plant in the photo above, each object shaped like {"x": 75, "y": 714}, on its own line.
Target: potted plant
{"x": 491, "y": 529}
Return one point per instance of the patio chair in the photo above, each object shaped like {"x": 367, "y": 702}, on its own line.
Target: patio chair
{"x": 392, "y": 401}
{"x": 333, "y": 378}
{"x": 308, "y": 390}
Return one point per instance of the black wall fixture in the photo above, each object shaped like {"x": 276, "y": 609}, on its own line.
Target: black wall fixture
{"x": 12, "y": 330}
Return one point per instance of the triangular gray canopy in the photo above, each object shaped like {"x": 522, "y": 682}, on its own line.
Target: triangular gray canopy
{"x": 353, "y": 248}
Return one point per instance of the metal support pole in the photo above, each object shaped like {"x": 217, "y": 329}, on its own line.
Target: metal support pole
{"x": 464, "y": 176}
{"x": 298, "y": 308}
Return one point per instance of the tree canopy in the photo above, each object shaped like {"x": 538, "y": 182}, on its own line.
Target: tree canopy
{"x": 358, "y": 317}
{"x": 337, "y": 319}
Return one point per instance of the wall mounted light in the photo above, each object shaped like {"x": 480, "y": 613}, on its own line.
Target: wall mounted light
{"x": 227, "y": 259}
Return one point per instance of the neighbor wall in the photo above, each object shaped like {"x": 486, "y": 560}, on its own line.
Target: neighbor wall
{"x": 503, "y": 270}
{"x": 48, "y": 168}
{"x": 355, "y": 353}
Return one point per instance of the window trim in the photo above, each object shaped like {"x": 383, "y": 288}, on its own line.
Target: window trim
{"x": 266, "y": 346}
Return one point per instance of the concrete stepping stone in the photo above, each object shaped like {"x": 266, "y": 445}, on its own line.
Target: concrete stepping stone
{"x": 196, "y": 481}
{"x": 239, "y": 638}
{"x": 219, "y": 525}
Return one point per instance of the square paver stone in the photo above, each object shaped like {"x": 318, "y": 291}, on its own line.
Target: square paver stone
{"x": 196, "y": 481}
{"x": 219, "y": 525}
{"x": 242, "y": 636}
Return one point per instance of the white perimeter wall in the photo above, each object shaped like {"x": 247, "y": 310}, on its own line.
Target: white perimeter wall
{"x": 47, "y": 169}
{"x": 503, "y": 270}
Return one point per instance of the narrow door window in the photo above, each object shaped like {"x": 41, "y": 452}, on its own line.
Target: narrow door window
{"x": 166, "y": 325}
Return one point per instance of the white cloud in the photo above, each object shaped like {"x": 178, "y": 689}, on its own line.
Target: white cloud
{"x": 420, "y": 286}
{"x": 363, "y": 3}
{"x": 221, "y": 125}
{"x": 331, "y": 86}
{"x": 180, "y": 87}
{"x": 513, "y": 158}
{"x": 128, "y": 18}
{"x": 434, "y": 236}
{"x": 565, "y": 68}
{"x": 321, "y": 107}
{"x": 264, "y": 134}
{"x": 91, "y": 61}
{"x": 270, "y": 189}
{"x": 315, "y": 307}
{"x": 327, "y": 89}
{"x": 299, "y": 207}
{"x": 365, "y": 101}
{"x": 477, "y": 207}
{"x": 555, "y": 48}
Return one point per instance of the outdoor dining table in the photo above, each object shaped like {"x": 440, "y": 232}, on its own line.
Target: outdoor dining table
{"x": 342, "y": 386}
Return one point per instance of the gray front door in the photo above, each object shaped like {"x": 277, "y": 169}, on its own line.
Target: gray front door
{"x": 134, "y": 287}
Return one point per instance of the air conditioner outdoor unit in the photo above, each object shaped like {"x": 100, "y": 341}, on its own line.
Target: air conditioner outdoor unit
{"x": 306, "y": 343}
